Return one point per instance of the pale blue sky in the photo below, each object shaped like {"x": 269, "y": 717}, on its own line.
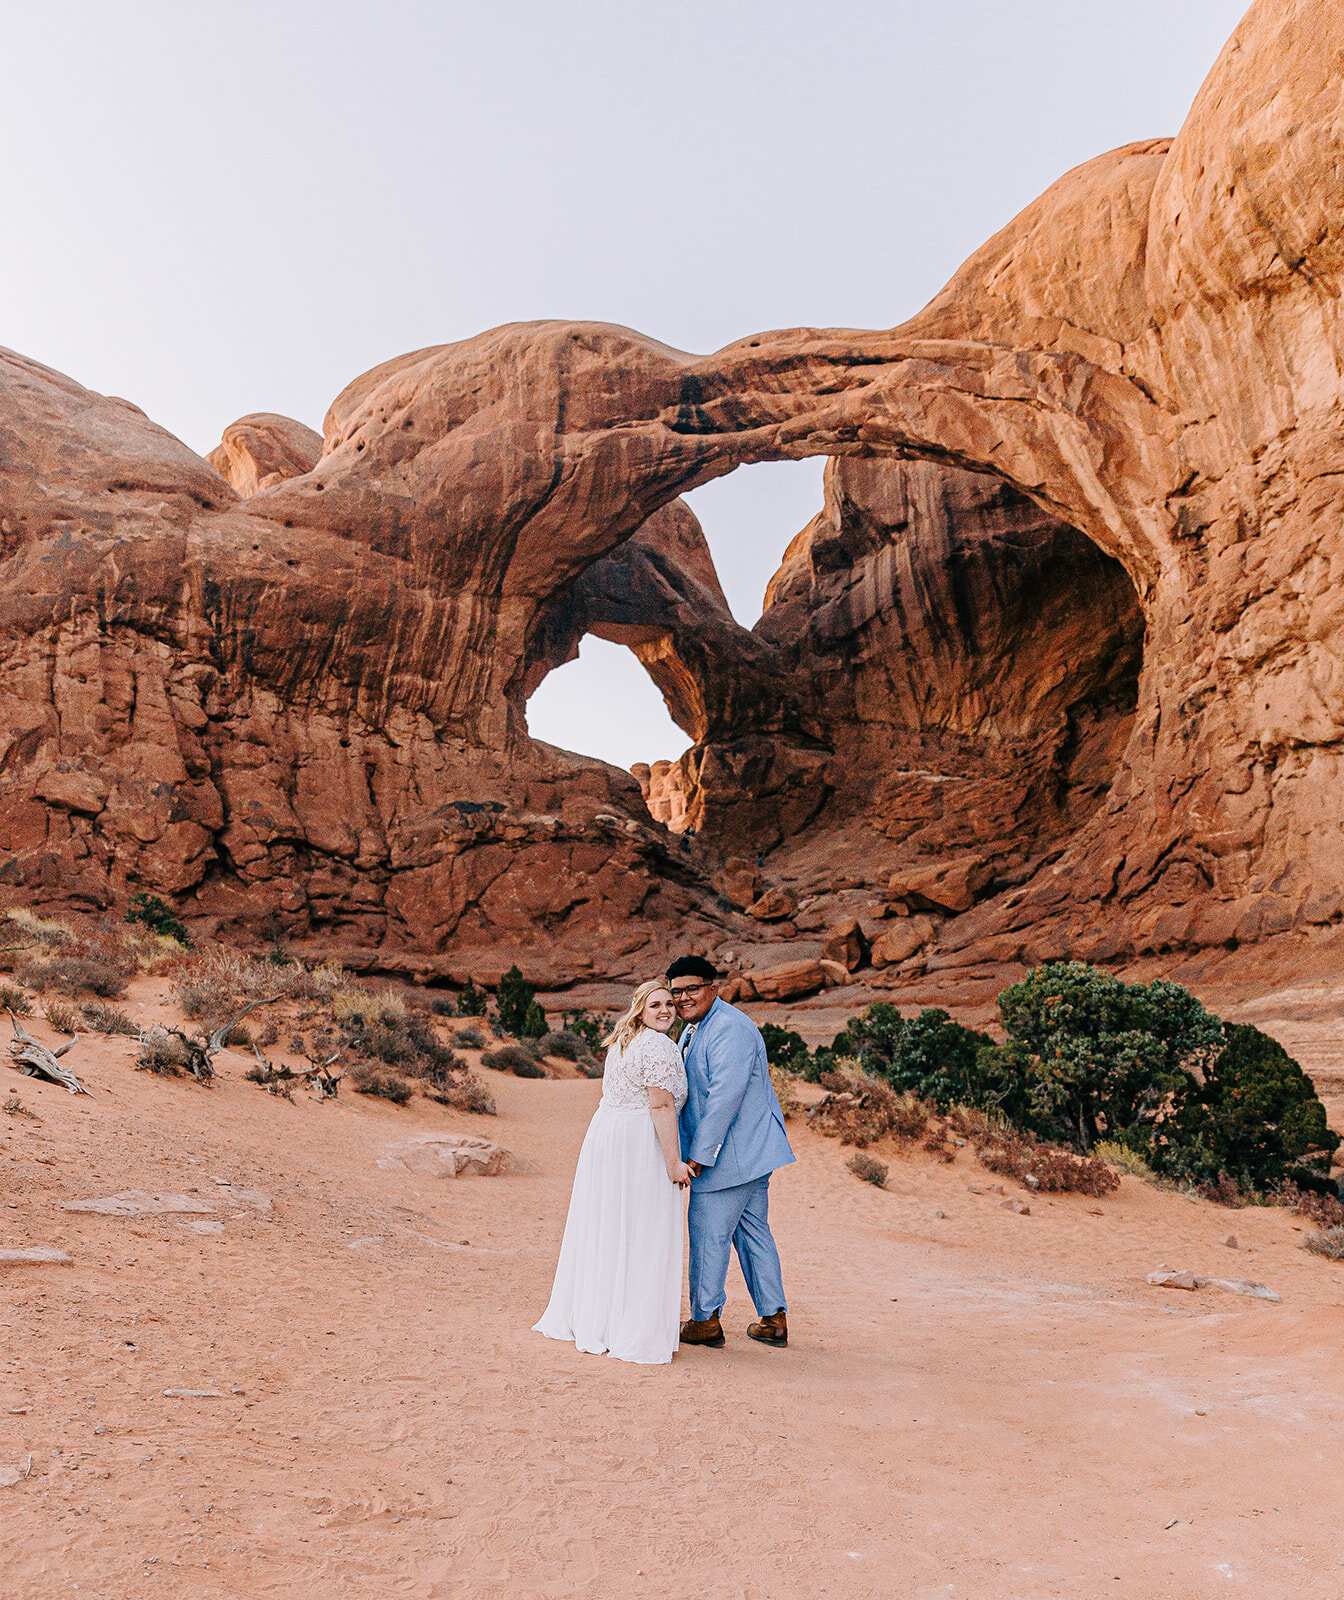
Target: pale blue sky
{"x": 220, "y": 209}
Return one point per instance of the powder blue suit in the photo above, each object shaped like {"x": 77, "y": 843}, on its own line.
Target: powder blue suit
{"x": 732, "y": 1125}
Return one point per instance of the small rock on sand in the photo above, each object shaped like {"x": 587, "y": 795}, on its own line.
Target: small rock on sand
{"x": 1165, "y": 1278}
{"x": 9, "y": 1476}
{"x": 1019, "y": 1206}
{"x": 194, "y": 1394}
{"x": 142, "y": 1202}
{"x": 38, "y": 1253}
{"x": 438, "y": 1155}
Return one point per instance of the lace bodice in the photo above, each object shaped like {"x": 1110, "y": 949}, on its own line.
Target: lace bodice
{"x": 649, "y": 1061}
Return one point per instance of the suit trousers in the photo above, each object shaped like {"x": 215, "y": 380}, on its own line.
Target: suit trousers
{"x": 736, "y": 1218}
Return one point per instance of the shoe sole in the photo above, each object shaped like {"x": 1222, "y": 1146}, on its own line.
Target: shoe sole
{"x": 705, "y": 1344}
{"x": 770, "y": 1344}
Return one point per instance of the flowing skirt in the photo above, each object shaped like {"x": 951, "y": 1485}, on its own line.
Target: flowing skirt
{"x": 618, "y": 1281}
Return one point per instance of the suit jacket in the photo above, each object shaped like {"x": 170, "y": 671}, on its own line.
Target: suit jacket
{"x": 731, "y": 1122}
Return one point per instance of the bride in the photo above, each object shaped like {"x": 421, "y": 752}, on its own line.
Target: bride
{"x": 618, "y": 1281}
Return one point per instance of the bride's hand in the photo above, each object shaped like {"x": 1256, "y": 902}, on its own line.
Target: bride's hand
{"x": 680, "y": 1175}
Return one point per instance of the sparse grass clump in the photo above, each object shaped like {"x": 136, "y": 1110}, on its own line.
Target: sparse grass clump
{"x": 14, "y": 1107}
{"x": 12, "y": 999}
{"x": 869, "y": 1168}
{"x": 789, "y": 1102}
{"x": 515, "y": 1059}
{"x": 61, "y": 1015}
{"x": 1329, "y": 1242}
{"x": 33, "y": 930}
{"x": 366, "y": 1079}
{"x": 1014, "y": 1153}
{"x": 469, "y": 1039}
{"x": 103, "y": 1018}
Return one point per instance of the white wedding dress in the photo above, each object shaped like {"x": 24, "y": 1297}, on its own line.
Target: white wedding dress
{"x": 618, "y": 1281}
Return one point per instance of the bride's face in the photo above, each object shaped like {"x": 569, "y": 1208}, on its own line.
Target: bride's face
{"x": 659, "y": 1013}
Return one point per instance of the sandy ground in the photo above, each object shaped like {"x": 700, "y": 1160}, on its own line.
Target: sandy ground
{"x": 982, "y": 1406}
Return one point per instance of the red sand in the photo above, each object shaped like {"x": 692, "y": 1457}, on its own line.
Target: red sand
{"x": 982, "y": 1407}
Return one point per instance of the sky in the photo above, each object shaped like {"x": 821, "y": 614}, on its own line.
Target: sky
{"x": 217, "y": 209}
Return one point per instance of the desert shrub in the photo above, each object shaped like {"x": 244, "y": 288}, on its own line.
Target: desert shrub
{"x": 61, "y": 1015}
{"x": 868, "y": 1168}
{"x": 103, "y": 1018}
{"x": 1325, "y": 1210}
{"x": 14, "y": 1107}
{"x": 1328, "y": 1243}
{"x": 859, "y": 1110}
{"x": 466, "y": 1093}
{"x": 29, "y": 929}
{"x": 12, "y": 999}
{"x": 789, "y": 1102}
{"x": 367, "y": 1079}
{"x": 443, "y": 1005}
{"x": 350, "y": 1003}
{"x": 1255, "y": 1117}
{"x": 150, "y": 912}
{"x": 1092, "y": 1052}
{"x": 312, "y": 984}
{"x": 162, "y": 1053}
{"x": 515, "y": 1059}
{"x": 516, "y": 1004}
{"x": 99, "y": 972}
{"x": 560, "y": 1042}
{"x": 379, "y": 1027}
{"x": 1014, "y": 1153}
{"x": 1121, "y": 1155}
{"x": 471, "y": 1002}
{"x": 589, "y": 1028}
{"x": 469, "y": 1039}
{"x": 783, "y": 1047}
{"x": 1222, "y": 1191}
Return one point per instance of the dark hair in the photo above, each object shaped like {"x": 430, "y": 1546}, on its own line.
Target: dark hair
{"x": 691, "y": 967}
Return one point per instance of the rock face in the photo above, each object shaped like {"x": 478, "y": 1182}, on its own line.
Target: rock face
{"x": 1062, "y": 650}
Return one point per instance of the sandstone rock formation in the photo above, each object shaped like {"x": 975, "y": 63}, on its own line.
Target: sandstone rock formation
{"x": 1114, "y": 435}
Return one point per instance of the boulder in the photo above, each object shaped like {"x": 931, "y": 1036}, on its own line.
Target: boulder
{"x": 900, "y": 941}
{"x": 775, "y": 905}
{"x": 452, "y": 1155}
{"x": 34, "y": 1255}
{"x": 949, "y": 886}
{"x": 845, "y": 942}
{"x": 789, "y": 981}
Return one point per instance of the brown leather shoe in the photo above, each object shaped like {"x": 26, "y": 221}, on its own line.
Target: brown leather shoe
{"x": 708, "y": 1333}
{"x": 772, "y": 1330}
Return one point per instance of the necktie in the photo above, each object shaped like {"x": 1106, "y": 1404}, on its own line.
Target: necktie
{"x": 686, "y": 1039}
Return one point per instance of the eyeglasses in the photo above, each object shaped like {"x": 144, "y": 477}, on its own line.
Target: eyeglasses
{"x": 687, "y": 990}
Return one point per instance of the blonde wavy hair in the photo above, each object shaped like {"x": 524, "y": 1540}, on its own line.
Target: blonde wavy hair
{"x": 630, "y": 1021}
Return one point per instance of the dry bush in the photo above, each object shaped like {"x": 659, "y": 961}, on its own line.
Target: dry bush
{"x": 563, "y": 1044}
{"x": 868, "y": 1168}
{"x": 1222, "y": 1191}
{"x": 466, "y": 1093}
{"x": 515, "y": 1059}
{"x": 14, "y": 1107}
{"x": 443, "y": 1005}
{"x": 100, "y": 964}
{"x": 366, "y": 1079}
{"x": 1120, "y": 1155}
{"x": 367, "y": 1005}
{"x": 164, "y": 1054}
{"x": 1013, "y": 1153}
{"x": 783, "y": 1082}
{"x": 103, "y": 1018}
{"x": 12, "y": 999}
{"x": 33, "y": 930}
{"x": 61, "y": 1015}
{"x": 1325, "y": 1210}
{"x": 859, "y": 1110}
{"x": 469, "y": 1039}
{"x": 1328, "y": 1243}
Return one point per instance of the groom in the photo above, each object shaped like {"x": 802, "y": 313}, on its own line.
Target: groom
{"x": 732, "y": 1136}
